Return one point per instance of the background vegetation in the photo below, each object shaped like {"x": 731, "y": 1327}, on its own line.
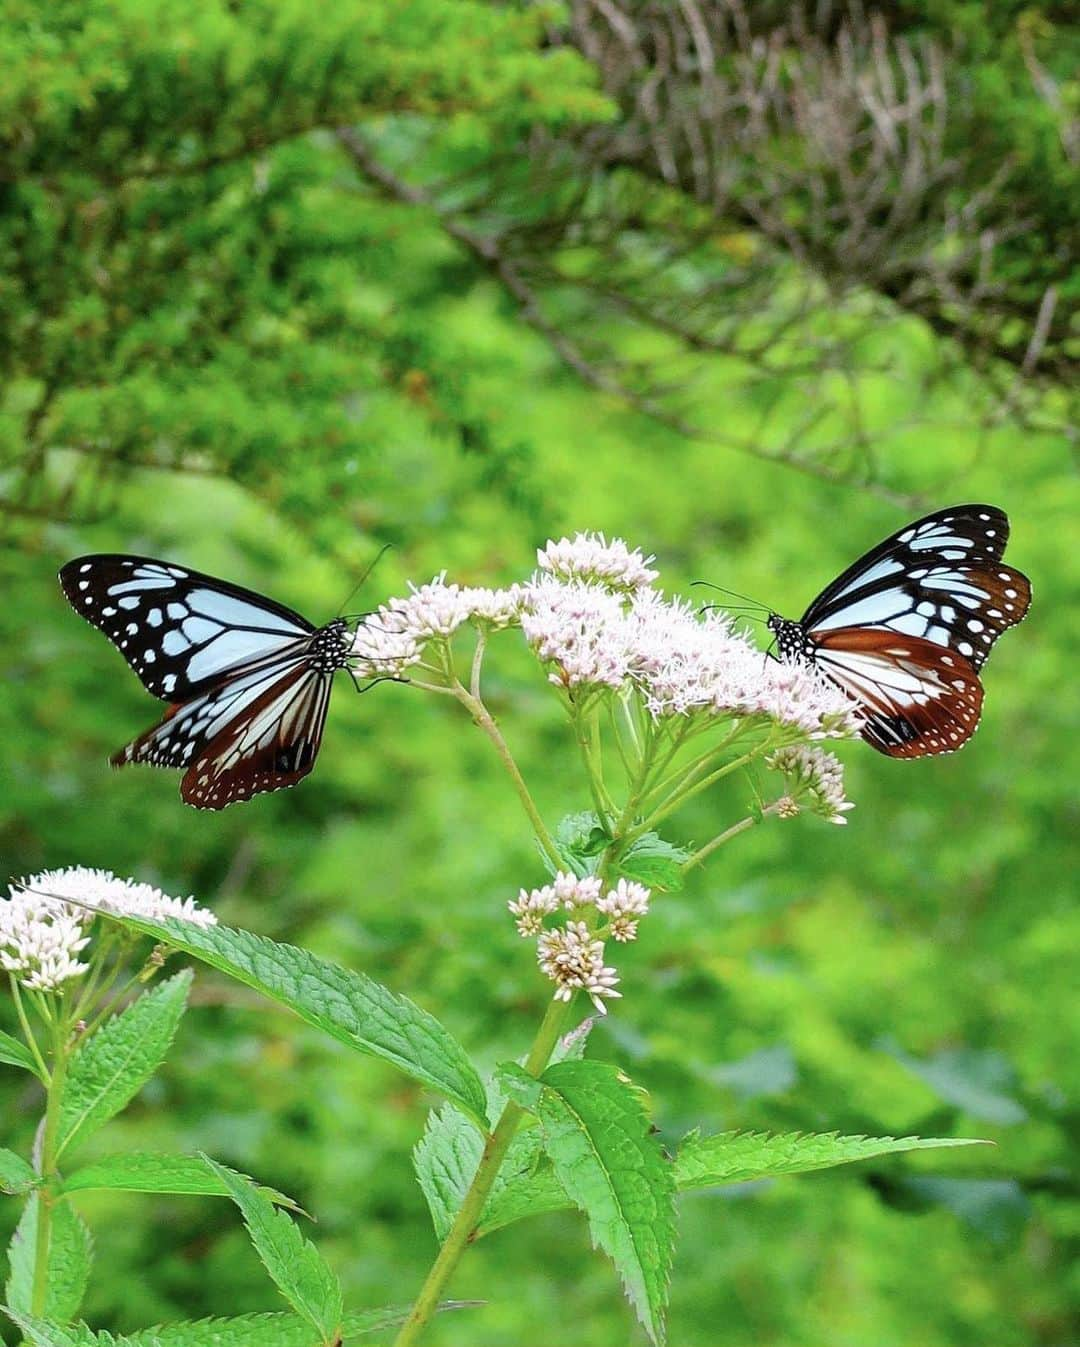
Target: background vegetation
{"x": 279, "y": 290}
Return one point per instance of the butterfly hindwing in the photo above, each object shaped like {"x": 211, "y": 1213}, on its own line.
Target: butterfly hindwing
{"x": 913, "y": 698}
{"x": 257, "y": 731}
{"x": 180, "y": 630}
{"x": 940, "y": 579}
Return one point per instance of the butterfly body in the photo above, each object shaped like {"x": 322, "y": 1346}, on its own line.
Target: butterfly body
{"x": 906, "y": 629}
{"x": 247, "y": 679}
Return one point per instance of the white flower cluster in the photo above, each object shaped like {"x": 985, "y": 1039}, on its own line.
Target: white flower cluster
{"x": 626, "y": 903}
{"x": 814, "y": 774}
{"x": 579, "y": 628}
{"x": 573, "y": 955}
{"x": 591, "y": 558}
{"x": 681, "y": 661}
{"x": 574, "y": 960}
{"x": 45, "y": 920}
{"x": 389, "y": 642}
{"x": 589, "y": 613}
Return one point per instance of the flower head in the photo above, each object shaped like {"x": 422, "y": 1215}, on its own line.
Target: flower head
{"x": 574, "y": 959}
{"x": 579, "y": 628}
{"x": 40, "y": 941}
{"x": 623, "y": 906}
{"x": 389, "y": 642}
{"x": 576, "y": 891}
{"x": 591, "y": 558}
{"x": 530, "y": 908}
{"x": 814, "y": 775}
{"x": 45, "y": 920}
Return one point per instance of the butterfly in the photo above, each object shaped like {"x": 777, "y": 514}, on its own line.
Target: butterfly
{"x": 905, "y": 630}
{"x": 248, "y": 680}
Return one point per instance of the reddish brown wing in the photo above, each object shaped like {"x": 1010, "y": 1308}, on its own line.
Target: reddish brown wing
{"x": 913, "y": 698}
{"x": 259, "y": 731}
{"x": 271, "y": 745}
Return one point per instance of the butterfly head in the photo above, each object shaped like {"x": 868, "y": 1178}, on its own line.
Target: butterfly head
{"x": 330, "y": 647}
{"x": 792, "y": 641}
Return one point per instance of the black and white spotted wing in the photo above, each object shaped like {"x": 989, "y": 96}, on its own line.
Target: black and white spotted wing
{"x": 941, "y": 578}
{"x": 179, "y": 630}
{"x": 905, "y": 630}
{"x": 249, "y": 680}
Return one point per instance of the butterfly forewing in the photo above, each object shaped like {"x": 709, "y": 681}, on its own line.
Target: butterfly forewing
{"x": 180, "y": 630}
{"x": 913, "y": 698}
{"x": 940, "y": 579}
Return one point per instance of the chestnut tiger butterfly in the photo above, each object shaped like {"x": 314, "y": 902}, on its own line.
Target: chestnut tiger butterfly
{"x": 905, "y": 630}
{"x": 247, "y": 679}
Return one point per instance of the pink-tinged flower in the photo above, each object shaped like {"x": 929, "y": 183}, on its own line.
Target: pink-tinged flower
{"x": 388, "y": 643}
{"x": 530, "y": 908}
{"x": 576, "y": 891}
{"x": 623, "y": 906}
{"x": 814, "y": 775}
{"x": 573, "y": 959}
{"x": 578, "y": 628}
{"x": 589, "y": 557}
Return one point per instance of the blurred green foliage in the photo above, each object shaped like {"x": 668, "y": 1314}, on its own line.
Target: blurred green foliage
{"x": 304, "y": 373}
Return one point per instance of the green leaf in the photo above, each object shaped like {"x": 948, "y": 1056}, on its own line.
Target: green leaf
{"x": 16, "y": 1053}
{"x": 579, "y": 839}
{"x": 596, "y": 1132}
{"x": 710, "y": 1162}
{"x": 445, "y": 1160}
{"x": 245, "y": 1330}
{"x": 653, "y": 862}
{"x": 521, "y": 1195}
{"x": 148, "y": 1172}
{"x": 69, "y": 1261}
{"x": 113, "y": 1064}
{"x": 49, "y": 1333}
{"x": 350, "y": 1007}
{"x": 297, "y": 1268}
{"x": 737, "y": 1157}
{"x": 16, "y": 1176}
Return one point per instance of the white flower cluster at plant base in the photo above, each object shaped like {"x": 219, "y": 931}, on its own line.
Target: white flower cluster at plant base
{"x": 45, "y": 920}
{"x": 572, "y": 956}
{"x": 592, "y": 617}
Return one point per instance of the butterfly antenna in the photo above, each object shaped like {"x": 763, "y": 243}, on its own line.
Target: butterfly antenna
{"x": 754, "y": 603}
{"x": 363, "y": 579}
{"x": 744, "y": 614}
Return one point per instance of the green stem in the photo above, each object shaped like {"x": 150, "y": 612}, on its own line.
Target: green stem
{"x": 703, "y": 853}
{"x": 463, "y": 1231}
{"x": 679, "y": 797}
{"x": 486, "y": 721}
{"x": 50, "y": 1139}
{"x": 28, "y": 1033}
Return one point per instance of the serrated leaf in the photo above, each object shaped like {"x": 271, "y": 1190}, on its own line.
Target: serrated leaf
{"x": 738, "y": 1157}
{"x": 149, "y": 1172}
{"x": 112, "y": 1065}
{"x": 16, "y": 1053}
{"x": 445, "y": 1160}
{"x": 270, "y": 1330}
{"x": 70, "y": 1252}
{"x": 579, "y": 839}
{"x": 655, "y": 863}
{"x": 531, "y": 1195}
{"x": 296, "y": 1267}
{"x": 596, "y": 1133}
{"x": 49, "y": 1333}
{"x": 16, "y": 1176}
{"x": 349, "y": 1007}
